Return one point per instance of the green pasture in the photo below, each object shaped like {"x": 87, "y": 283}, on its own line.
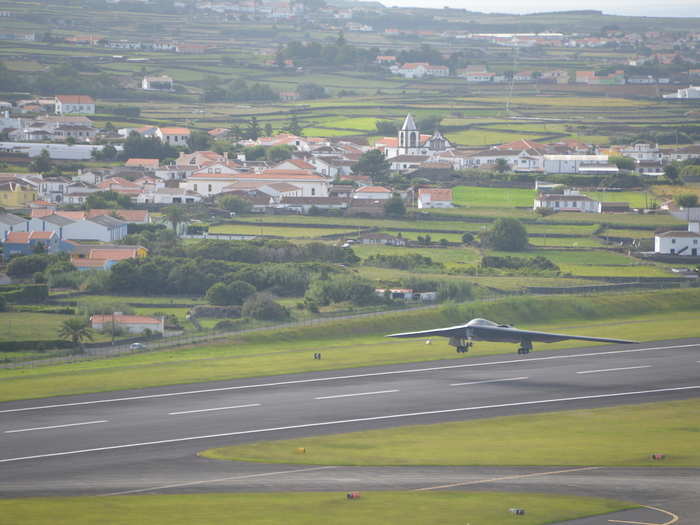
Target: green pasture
{"x": 582, "y": 270}
{"x": 27, "y": 326}
{"x": 633, "y": 234}
{"x": 624, "y": 436}
{"x": 476, "y": 196}
{"x": 301, "y": 508}
{"x": 281, "y": 231}
{"x": 359, "y": 342}
{"x": 486, "y": 137}
{"x": 462, "y": 255}
{"x": 636, "y": 199}
{"x": 565, "y": 242}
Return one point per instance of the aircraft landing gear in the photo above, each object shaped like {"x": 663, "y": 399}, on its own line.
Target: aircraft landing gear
{"x": 525, "y": 347}
{"x": 462, "y": 345}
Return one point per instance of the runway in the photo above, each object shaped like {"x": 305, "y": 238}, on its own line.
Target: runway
{"x": 145, "y": 441}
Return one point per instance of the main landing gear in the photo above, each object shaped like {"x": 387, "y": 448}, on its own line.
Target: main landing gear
{"x": 461, "y": 345}
{"x": 525, "y": 347}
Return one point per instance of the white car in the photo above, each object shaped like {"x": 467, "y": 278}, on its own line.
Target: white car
{"x": 137, "y": 346}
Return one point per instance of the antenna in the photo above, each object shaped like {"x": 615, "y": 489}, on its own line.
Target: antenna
{"x": 512, "y": 78}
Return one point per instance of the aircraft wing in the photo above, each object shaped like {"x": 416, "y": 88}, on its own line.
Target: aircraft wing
{"x": 548, "y": 337}
{"x": 449, "y": 331}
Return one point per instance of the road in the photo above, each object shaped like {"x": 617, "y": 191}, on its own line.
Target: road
{"x": 146, "y": 440}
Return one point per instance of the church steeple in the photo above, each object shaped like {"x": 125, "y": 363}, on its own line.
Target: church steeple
{"x": 409, "y": 136}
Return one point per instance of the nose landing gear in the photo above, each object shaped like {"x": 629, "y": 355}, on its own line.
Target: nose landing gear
{"x": 461, "y": 345}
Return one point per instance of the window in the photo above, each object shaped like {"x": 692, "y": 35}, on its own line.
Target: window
{"x": 209, "y": 189}
{"x": 673, "y": 241}
{"x": 195, "y": 187}
{"x": 313, "y": 191}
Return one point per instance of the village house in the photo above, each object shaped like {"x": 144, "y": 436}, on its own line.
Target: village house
{"x": 157, "y": 83}
{"x": 28, "y": 243}
{"x": 14, "y": 194}
{"x": 372, "y": 193}
{"x": 133, "y": 324}
{"x": 168, "y": 196}
{"x": 173, "y": 136}
{"x": 434, "y": 198}
{"x": 12, "y": 223}
{"x": 570, "y": 200}
{"x": 384, "y": 239}
{"x": 677, "y": 243}
{"x": 75, "y": 105}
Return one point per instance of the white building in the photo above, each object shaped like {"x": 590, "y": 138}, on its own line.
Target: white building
{"x": 168, "y": 196}
{"x": 103, "y": 228}
{"x": 689, "y": 92}
{"x": 434, "y": 198}
{"x": 570, "y": 200}
{"x": 173, "y": 136}
{"x": 677, "y": 243}
{"x": 159, "y": 83}
{"x": 75, "y": 105}
{"x": 133, "y": 324}
{"x": 372, "y": 193}
{"x": 575, "y": 163}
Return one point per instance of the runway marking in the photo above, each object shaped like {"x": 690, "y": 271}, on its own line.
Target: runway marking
{"x": 57, "y": 426}
{"x": 358, "y": 394}
{"x": 212, "y": 409}
{"x": 673, "y": 519}
{"x": 506, "y": 478}
{"x": 343, "y": 421}
{"x": 232, "y": 478}
{"x": 352, "y": 376}
{"x": 489, "y": 381}
{"x": 613, "y": 369}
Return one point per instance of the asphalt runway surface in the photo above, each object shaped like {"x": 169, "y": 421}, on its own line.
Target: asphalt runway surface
{"x": 145, "y": 441}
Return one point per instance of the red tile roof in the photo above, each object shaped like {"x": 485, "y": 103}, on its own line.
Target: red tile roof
{"x": 146, "y": 163}
{"x": 373, "y": 189}
{"x": 75, "y": 99}
{"x": 121, "y": 318}
{"x": 113, "y": 254}
{"x": 26, "y": 237}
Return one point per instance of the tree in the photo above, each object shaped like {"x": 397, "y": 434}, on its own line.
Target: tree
{"x": 278, "y": 153}
{"x": 372, "y": 164}
{"x": 235, "y": 204}
{"x": 386, "y": 128}
{"x": 686, "y": 200}
{"x": 624, "y": 163}
{"x": 268, "y": 129}
{"x": 199, "y": 141}
{"x": 468, "y": 238}
{"x": 502, "y": 165}
{"x": 429, "y": 123}
{"x": 506, "y": 234}
{"x": 235, "y": 132}
{"x": 294, "y": 127}
{"x": 672, "y": 174}
{"x": 175, "y": 215}
{"x": 395, "y": 207}
{"x": 263, "y": 307}
{"x": 311, "y": 91}
{"x": 42, "y": 163}
{"x": 75, "y": 330}
{"x": 253, "y": 130}
{"x": 235, "y": 293}
{"x": 107, "y": 200}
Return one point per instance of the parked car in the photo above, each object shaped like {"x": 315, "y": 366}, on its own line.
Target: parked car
{"x": 137, "y": 346}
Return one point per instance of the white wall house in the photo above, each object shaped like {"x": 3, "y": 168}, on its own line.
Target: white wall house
{"x": 158, "y": 83}
{"x": 133, "y": 324}
{"x": 173, "y": 136}
{"x": 12, "y": 223}
{"x": 677, "y": 243}
{"x": 372, "y": 193}
{"x": 75, "y": 105}
{"x": 434, "y": 198}
{"x": 569, "y": 201}
{"x": 572, "y": 163}
{"x": 168, "y": 196}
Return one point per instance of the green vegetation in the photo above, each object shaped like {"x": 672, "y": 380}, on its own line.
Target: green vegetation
{"x": 623, "y": 436}
{"x": 474, "y": 196}
{"x": 640, "y": 316}
{"x": 299, "y": 508}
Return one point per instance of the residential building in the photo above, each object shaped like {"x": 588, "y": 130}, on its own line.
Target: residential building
{"x": 14, "y": 194}
{"x": 382, "y": 238}
{"x": 133, "y": 324}
{"x": 27, "y": 243}
{"x": 434, "y": 198}
{"x": 75, "y": 105}
{"x": 157, "y": 83}
{"x": 103, "y": 228}
{"x": 12, "y": 223}
{"x": 372, "y": 193}
{"x": 568, "y": 201}
{"x": 174, "y": 136}
{"x": 677, "y": 243}
{"x": 168, "y": 196}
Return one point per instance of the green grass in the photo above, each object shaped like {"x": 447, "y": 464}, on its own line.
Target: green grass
{"x": 636, "y": 199}
{"x": 301, "y": 508}
{"x": 23, "y": 326}
{"x": 474, "y": 196}
{"x": 487, "y": 137}
{"x": 623, "y": 436}
{"x": 359, "y": 342}
{"x": 280, "y": 231}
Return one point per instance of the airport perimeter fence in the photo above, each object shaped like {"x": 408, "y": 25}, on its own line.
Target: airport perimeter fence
{"x": 109, "y": 350}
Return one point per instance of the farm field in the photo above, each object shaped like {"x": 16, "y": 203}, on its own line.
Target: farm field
{"x": 474, "y": 196}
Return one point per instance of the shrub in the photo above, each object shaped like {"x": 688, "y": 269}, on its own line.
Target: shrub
{"x": 341, "y": 288}
{"x": 264, "y": 308}
{"x": 454, "y": 291}
{"x": 237, "y": 292}
{"x": 506, "y": 234}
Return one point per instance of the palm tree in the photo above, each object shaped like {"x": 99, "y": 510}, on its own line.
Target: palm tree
{"x": 175, "y": 215}
{"x": 77, "y": 330}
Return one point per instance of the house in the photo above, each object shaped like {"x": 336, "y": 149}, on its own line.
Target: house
{"x": 407, "y": 162}
{"x": 372, "y": 193}
{"x": 53, "y": 222}
{"x": 289, "y": 96}
{"x": 75, "y": 105}
{"x": 382, "y": 238}
{"x": 12, "y": 223}
{"x": 420, "y": 70}
{"x": 385, "y": 59}
{"x": 578, "y": 164}
{"x": 15, "y": 194}
{"x": 143, "y": 163}
{"x": 168, "y": 196}
{"x": 570, "y": 200}
{"x": 677, "y": 243}
{"x": 27, "y": 243}
{"x": 133, "y": 324}
{"x": 434, "y": 198}
{"x": 174, "y": 136}
{"x": 157, "y": 83}
{"x": 103, "y": 228}
{"x": 304, "y": 204}
{"x": 53, "y": 189}
{"x": 406, "y": 294}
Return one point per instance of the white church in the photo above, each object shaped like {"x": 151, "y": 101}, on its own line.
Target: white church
{"x": 410, "y": 142}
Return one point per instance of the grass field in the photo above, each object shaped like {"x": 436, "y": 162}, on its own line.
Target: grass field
{"x": 301, "y": 508}
{"x": 474, "y": 196}
{"x": 636, "y": 199}
{"x": 640, "y": 316}
{"x": 623, "y": 436}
